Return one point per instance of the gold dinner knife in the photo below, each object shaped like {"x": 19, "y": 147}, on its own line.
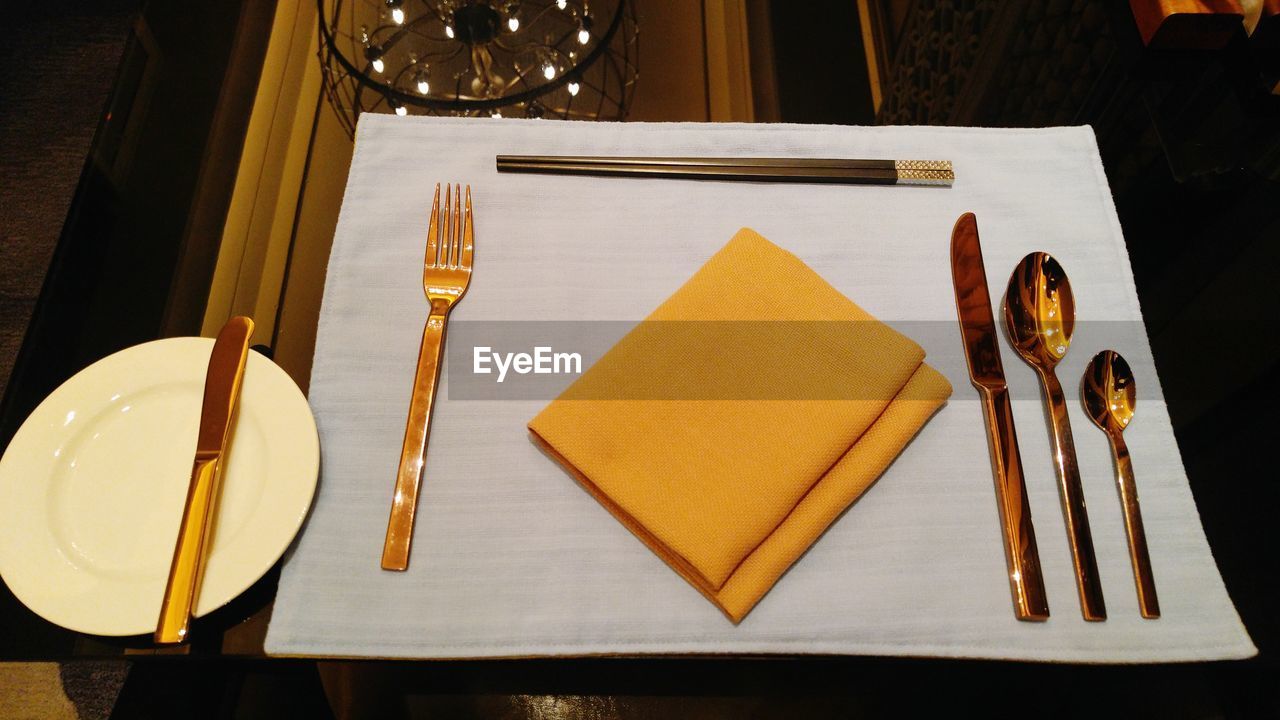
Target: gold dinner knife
{"x": 221, "y": 391}
{"x": 982, "y": 351}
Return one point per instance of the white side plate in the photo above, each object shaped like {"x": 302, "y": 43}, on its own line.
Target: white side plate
{"x": 92, "y": 487}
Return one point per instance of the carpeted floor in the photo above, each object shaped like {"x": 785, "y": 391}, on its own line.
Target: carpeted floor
{"x": 60, "y": 691}
{"x": 34, "y": 690}
{"x": 68, "y": 53}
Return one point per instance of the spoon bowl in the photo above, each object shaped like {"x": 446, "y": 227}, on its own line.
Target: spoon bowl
{"x": 1108, "y": 391}
{"x": 1039, "y": 310}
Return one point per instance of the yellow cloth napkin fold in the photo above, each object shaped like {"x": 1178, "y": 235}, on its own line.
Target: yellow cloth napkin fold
{"x": 739, "y": 420}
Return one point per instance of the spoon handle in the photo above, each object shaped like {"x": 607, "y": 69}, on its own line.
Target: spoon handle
{"x": 1148, "y": 603}
{"x": 1088, "y": 581}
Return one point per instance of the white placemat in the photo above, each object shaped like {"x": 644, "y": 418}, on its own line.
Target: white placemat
{"x": 512, "y": 558}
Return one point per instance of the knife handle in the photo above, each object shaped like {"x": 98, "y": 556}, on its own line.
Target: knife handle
{"x": 187, "y": 569}
{"x": 1021, "y": 553}
{"x": 413, "y": 454}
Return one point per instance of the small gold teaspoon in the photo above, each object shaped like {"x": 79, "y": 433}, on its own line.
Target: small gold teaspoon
{"x": 1109, "y": 398}
{"x": 1040, "y": 313}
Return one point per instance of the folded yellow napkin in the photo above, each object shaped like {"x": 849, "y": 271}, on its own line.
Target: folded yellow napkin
{"x": 737, "y": 422}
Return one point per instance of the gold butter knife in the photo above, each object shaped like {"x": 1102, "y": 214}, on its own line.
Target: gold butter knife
{"x": 221, "y": 391}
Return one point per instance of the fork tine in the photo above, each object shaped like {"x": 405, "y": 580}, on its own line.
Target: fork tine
{"x": 447, "y": 239}
{"x": 455, "y": 238}
{"x": 433, "y": 231}
{"x": 468, "y": 235}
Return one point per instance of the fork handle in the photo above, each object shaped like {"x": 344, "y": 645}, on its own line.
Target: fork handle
{"x": 395, "y": 551}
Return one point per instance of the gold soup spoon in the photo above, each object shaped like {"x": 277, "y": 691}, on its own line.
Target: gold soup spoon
{"x": 1109, "y": 398}
{"x": 1039, "y": 311}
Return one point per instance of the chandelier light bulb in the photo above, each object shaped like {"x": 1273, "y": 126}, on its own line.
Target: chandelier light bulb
{"x": 562, "y": 4}
{"x": 448, "y": 31}
{"x": 513, "y": 23}
{"x": 397, "y": 16}
{"x": 584, "y": 36}
{"x": 378, "y": 65}
{"x": 402, "y": 110}
{"x": 549, "y": 71}
{"x": 573, "y": 88}
{"x": 424, "y": 87}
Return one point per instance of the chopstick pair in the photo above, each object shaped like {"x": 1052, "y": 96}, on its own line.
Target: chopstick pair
{"x": 800, "y": 170}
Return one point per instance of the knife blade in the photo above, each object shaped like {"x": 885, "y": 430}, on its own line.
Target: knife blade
{"x": 221, "y": 393}
{"x": 982, "y": 352}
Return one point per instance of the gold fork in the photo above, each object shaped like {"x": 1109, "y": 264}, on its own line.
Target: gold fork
{"x": 445, "y": 276}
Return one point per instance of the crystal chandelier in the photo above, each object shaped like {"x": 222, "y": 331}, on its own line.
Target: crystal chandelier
{"x": 572, "y": 59}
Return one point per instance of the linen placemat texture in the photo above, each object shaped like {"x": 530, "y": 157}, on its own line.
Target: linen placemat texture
{"x": 512, "y": 558}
